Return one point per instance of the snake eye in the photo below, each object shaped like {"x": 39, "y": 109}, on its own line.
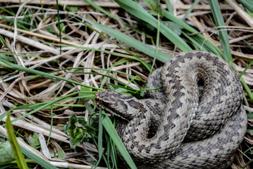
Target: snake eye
{"x": 108, "y": 97}
{"x": 104, "y": 97}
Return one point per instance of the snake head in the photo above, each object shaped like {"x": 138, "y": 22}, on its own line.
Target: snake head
{"x": 108, "y": 97}
{"x": 115, "y": 102}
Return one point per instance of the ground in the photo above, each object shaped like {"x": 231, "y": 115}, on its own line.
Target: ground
{"x": 55, "y": 56}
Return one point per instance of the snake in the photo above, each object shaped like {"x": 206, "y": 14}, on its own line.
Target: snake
{"x": 192, "y": 116}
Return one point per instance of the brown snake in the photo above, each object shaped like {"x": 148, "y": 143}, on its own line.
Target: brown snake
{"x": 194, "y": 121}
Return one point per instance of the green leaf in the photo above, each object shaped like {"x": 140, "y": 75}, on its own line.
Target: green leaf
{"x": 46, "y": 105}
{"x": 109, "y": 127}
{"x": 247, "y": 89}
{"x": 33, "y": 140}
{"x": 100, "y": 140}
{"x": 30, "y": 153}
{"x": 148, "y": 50}
{"x": 138, "y": 11}
{"x": 6, "y": 153}
{"x": 223, "y": 35}
{"x": 86, "y": 93}
{"x": 20, "y": 159}
{"x": 169, "y": 5}
{"x": 179, "y": 22}
{"x": 7, "y": 64}
{"x": 247, "y": 4}
{"x": 79, "y": 130}
{"x": 198, "y": 40}
{"x": 100, "y": 9}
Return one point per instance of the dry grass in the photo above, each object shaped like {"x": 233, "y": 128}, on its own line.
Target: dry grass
{"x": 72, "y": 60}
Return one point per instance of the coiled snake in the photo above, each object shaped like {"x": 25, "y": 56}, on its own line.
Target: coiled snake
{"x": 195, "y": 120}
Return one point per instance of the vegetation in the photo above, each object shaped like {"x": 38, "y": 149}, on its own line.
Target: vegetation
{"x": 55, "y": 56}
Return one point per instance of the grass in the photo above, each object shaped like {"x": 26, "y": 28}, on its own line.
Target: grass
{"x": 63, "y": 55}
{"x": 223, "y": 35}
{"x": 20, "y": 159}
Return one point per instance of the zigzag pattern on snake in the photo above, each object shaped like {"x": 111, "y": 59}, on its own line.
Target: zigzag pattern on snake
{"x": 194, "y": 120}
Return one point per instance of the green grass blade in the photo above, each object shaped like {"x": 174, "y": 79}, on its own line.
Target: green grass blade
{"x": 47, "y": 104}
{"x": 33, "y": 156}
{"x": 209, "y": 46}
{"x": 148, "y": 50}
{"x": 247, "y": 4}
{"x": 7, "y": 64}
{"x": 100, "y": 9}
{"x": 195, "y": 43}
{"x": 189, "y": 10}
{"x": 99, "y": 141}
{"x": 200, "y": 41}
{"x": 135, "y": 9}
{"x": 6, "y": 153}
{"x": 179, "y": 22}
{"x": 20, "y": 159}
{"x": 247, "y": 89}
{"x": 169, "y": 5}
{"x": 100, "y": 137}
{"x": 44, "y": 105}
{"x": 117, "y": 141}
{"x": 223, "y": 35}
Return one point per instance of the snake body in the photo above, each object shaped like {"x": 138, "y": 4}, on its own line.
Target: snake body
{"x": 195, "y": 120}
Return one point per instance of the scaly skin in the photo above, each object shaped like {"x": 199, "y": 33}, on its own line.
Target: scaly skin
{"x": 195, "y": 120}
